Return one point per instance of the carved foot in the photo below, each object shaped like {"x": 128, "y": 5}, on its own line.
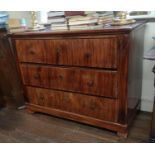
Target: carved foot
{"x": 123, "y": 135}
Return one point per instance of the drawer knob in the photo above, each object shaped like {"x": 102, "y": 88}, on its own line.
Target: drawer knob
{"x": 60, "y": 77}
{"x": 58, "y": 50}
{"x": 41, "y": 98}
{"x": 87, "y": 55}
{"x": 36, "y": 76}
{"x": 32, "y": 52}
{"x": 66, "y": 98}
{"x": 90, "y": 83}
{"x": 92, "y": 106}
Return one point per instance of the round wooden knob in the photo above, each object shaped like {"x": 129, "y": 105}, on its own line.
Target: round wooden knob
{"x": 92, "y": 106}
{"x": 60, "y": 77}
{"x": 58, "y": 49}
{"x": 32, "y": 52}
{"x": 90, "y": 83}
{"x": 36, "y": 76}
{"x": 87, "y": 55}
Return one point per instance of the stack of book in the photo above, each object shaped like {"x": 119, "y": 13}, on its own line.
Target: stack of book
{"x": 57, "y": 20}
{"x": 105, "y": 17}
{"x": 79, "y": 20}
{"x": 91, "y": 13}
{"x": 84, "y": 21}
{"x": 59, "y": 26}
{"x": 56, "y": 17}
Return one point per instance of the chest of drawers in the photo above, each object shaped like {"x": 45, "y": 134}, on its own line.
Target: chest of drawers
{"x": 91, "y": 76}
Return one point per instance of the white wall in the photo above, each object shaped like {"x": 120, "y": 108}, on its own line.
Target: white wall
{"x": 148, "y": 76}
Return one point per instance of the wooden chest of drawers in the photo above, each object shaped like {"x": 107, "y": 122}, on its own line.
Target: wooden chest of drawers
{"x": 91, "y": 76}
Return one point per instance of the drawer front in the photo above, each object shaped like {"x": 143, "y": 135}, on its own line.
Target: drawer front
{"x": 74, "y": 52}
{"x": 96, "y": 107}
{"x": 88, "y": 81}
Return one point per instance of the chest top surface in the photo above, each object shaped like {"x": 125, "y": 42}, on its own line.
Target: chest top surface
{"x": 125, "y": 29}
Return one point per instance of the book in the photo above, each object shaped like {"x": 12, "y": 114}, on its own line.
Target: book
{"x": 104, "y": 12}
{"x": 89, "y": 12}
{"x": 59, "y": 28}
{"x": 80, "y": 22}
{"x": 74, "y": 13}
{"x": 55, "y": 13}
{"x": 56, "y": 20}
{"x": 80, "y": 18}
{"x": 106, "y": 17}
{"x": 59, "y": 24}
{"x": 86, "y": 27}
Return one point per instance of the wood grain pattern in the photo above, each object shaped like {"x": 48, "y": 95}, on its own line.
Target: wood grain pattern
{"x": 110, "y": 30}
{"x": 96, "y": 107}
{"x": 100, "y": 53}
{"x": 86, "y": 81}
{"x": 123, "y": 44}
{"x": 94, "y": 63}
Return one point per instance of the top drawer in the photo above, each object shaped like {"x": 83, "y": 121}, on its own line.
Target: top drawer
{"x": 100, "y": 52}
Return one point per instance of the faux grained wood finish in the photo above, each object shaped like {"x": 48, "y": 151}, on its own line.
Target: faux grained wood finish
{"x": 96, "y": 107}
{"x": 102, "y": 62}
{"x": 123, "y": 45}
{"x": 96, "y": 52}
{"x": 88, "y": 81}
{"x": 110, "y": 30}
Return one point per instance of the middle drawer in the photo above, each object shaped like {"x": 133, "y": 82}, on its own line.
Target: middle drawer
{"x": 87, "y": 81}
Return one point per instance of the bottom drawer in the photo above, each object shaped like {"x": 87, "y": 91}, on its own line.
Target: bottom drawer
{"x": 96, "y": 107}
